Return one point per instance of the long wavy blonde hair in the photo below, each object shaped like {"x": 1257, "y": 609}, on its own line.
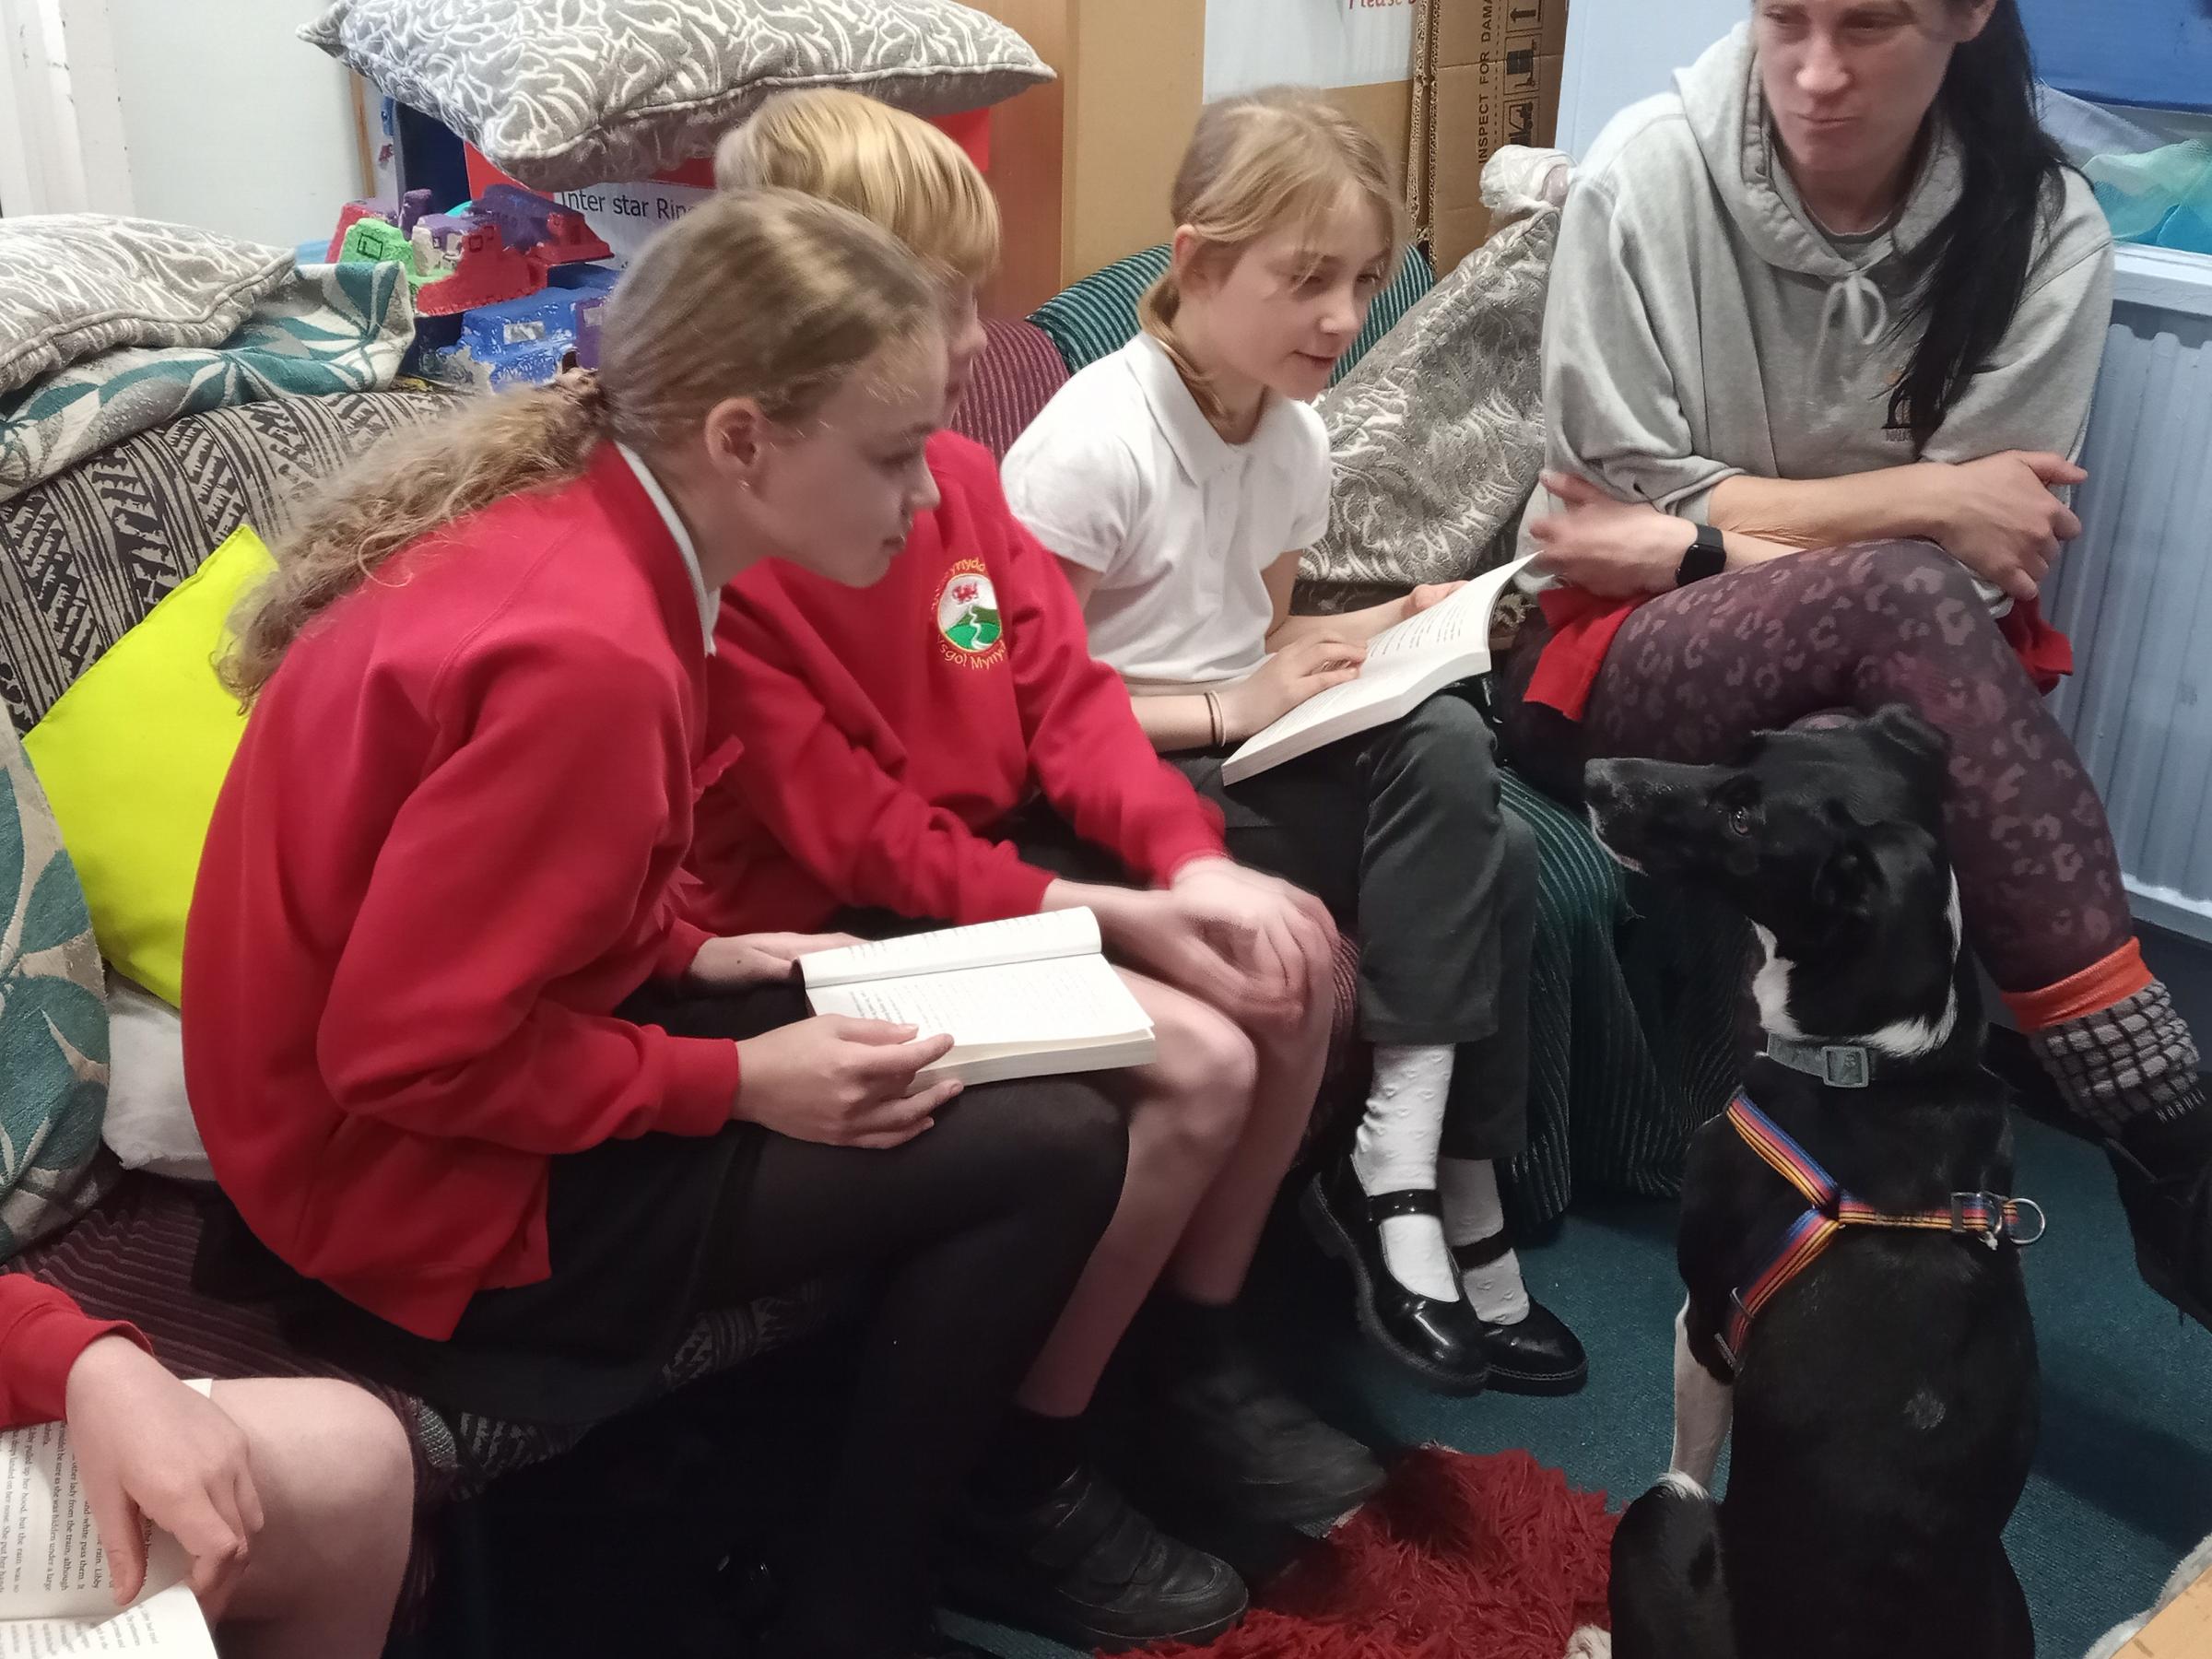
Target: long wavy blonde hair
{"x": 1256, "y": 163}
{"x": 763, "y": 294}
{"x": 893, "y": 169}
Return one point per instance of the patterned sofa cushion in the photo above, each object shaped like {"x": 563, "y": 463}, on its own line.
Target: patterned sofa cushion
{"x": 82, "y": 283}
{"x": 53, "y": 1018}
{"x": 562, "y": 94}
{"x": 85, "y": 556}
{"x": 1439, "y": 431}
{"x": 1098, "y": 315}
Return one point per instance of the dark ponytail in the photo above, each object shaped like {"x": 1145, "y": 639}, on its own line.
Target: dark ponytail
{"x": 1969, "y": 276}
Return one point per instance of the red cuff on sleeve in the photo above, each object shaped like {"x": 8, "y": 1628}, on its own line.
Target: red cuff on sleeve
{"x": 704, "y": 1075}
{"x": 37, "y": 1351}
{"x": 681, "y": 950}
{"x": 1018, "y": 891}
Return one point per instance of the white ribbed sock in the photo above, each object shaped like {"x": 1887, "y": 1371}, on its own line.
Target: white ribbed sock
{"x": 1471, "y": 1213}
{"x": 1396, "y": 1149}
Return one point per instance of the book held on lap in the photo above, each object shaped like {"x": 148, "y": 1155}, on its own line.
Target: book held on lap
{"x": 1407, "y": 664}
{"x": 55, "y": 1596}
{"x": 1030, "y": 996}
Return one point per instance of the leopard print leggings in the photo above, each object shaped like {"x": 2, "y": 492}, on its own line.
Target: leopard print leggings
{"x": 1693, "y": 673}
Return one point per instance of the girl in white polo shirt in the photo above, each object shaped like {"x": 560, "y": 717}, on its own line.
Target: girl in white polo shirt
{"x": 1178, "y": 480}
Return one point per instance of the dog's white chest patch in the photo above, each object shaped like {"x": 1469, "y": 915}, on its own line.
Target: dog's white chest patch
{"x": 1771, "y": 989}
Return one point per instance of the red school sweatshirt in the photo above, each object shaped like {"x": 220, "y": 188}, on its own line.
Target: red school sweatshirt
{"x": 889, "y": 731}
{"x": 41, "y": 1333}
{"x": 442, "y": 856}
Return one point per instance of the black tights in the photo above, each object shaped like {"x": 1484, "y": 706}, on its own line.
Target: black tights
{"x": 982, "y": 1225}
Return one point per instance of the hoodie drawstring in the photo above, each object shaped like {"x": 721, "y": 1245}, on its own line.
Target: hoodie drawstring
{"x": 1857, "y": 299}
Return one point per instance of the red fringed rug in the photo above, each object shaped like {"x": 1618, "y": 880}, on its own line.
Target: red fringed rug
{"x": 1460, "y": 1558}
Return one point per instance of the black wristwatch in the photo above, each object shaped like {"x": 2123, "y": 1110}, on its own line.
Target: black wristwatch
{"x": 1708, "y": 555}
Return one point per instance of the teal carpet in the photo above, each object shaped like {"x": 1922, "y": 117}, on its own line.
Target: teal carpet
{"x": 2122, "y": 1483}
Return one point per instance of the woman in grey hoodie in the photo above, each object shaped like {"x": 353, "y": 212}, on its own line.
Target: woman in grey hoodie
{"x": 1823, "y": 330}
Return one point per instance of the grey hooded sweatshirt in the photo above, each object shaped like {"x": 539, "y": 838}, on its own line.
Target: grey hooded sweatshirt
{"x": 1701, "y": 324}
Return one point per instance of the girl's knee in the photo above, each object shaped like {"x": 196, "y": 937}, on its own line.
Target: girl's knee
{"x": 374, "y": 1463}
{"x": 1209, "y": 1068}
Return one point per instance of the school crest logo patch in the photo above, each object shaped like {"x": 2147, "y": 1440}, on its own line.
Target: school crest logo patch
{"x": 968, "y": 619}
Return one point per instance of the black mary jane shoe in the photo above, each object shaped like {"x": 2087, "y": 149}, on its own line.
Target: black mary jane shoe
{"x": 1534, "y": 1355}
{"x": 1440, "y": 1342}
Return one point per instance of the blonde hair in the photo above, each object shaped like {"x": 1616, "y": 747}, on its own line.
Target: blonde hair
{"x": 765, "y": 294}
{"x": 892, "y": 169}
{"x": 1256, "y": 163}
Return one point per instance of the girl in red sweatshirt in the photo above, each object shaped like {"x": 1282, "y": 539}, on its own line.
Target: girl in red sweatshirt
{"x": 505, "y": 1123}
{"x": 292, "y": 1497}
{"x": 943, "y": 747}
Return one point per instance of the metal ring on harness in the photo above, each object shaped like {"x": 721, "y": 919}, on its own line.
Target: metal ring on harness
{"x": 2015, "y": 1212}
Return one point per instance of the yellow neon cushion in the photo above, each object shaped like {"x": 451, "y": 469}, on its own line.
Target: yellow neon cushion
{"x": 133, "y": 756}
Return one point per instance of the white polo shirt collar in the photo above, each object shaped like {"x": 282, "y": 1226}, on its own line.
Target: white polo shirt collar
{"x": 710, "y": 602}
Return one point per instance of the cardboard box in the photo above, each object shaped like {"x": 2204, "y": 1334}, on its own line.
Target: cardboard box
{"x": 1497, "y": 70}
{"x": 1469, "y": 32}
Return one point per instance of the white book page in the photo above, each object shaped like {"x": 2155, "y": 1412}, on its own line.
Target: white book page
{"x": 1048, "y": 933}
{"x": 1406, "y": 661}
{"x": 51, "y": 1564}
{"x": 1377, "y": 684}
{"x": 167, "y": 1622}
{"x": 1461, "y": 621}
{"x": 1035, "y": 1005}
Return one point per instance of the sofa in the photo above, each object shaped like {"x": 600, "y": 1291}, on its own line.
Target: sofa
{"x": 1632, "y": 1011}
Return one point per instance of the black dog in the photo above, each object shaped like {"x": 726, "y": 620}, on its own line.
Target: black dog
{"x": 1885, "y": 1399}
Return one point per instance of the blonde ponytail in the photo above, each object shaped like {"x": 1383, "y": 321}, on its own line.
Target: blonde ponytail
{"x": 763, "y": 294}
{"x": 1256, "y": 163}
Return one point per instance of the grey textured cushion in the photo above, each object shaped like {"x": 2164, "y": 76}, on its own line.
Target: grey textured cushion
{"x": 563, "y": 93}
{"x": 1437, "y": 433}
{"x": 81, "y": 283}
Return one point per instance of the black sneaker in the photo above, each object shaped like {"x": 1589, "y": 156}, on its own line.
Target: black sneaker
{"x": 1230, "y": 1438}
{"x": 2171, "y": 1218}
{"x": 1085, "y": 1567}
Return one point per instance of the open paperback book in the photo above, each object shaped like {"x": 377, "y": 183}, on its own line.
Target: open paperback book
{"x": 1027, "y": 997}
{"x": 56, "y": 1595}
{"x": 1407, "y": 663}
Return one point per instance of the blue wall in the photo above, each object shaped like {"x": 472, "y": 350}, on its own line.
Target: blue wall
{"x": 2132, "y": 52}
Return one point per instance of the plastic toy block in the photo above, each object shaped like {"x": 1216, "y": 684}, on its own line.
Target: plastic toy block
{"x": 529, "y": 221}
{"x": 476, "y": 267}
{"x": 350, "y": 216}
{"x": 374, "y": 242}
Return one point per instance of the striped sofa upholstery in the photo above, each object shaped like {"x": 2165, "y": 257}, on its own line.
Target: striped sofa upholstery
{"x": 1635, "y": 995}
{"x": 1014, "y": 378}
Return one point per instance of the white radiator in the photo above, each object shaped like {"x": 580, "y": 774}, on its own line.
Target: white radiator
{"x": 2135, "y": 592}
